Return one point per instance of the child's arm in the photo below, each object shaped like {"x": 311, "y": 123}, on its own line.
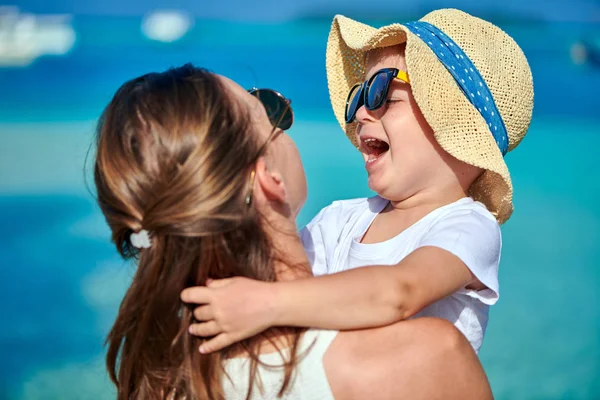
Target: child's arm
{"x": 238, "y": 308}
{"x": 459, "y": 251}
{"x": 370, "y": 296}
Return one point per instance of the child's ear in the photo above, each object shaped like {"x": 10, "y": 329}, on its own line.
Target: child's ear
{"x": 270, "y": 182}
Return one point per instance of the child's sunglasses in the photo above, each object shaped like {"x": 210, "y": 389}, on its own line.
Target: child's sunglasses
{"x": 372, "y": 93}
{"x": 278, "y": 108}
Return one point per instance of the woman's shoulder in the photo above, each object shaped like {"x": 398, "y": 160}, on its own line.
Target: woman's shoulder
{"x": 367, "y": 345}
{"x": 402, "y": 360}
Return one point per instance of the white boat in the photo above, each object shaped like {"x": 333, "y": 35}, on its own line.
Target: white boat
{"x": 166, "y": 26}
{"x": 25, "y": 37}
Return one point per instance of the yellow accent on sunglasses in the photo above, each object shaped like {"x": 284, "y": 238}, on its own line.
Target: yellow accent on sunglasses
{"x": 403, "y": 76}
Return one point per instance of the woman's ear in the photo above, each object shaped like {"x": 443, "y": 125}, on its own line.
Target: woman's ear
{"x": 270, "y": 182}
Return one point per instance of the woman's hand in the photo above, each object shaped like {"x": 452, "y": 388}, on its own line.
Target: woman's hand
{"x": 230, "y": 310}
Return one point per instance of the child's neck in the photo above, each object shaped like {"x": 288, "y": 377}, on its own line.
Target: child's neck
{"x": 425, "y": 201}
{"x": 398, "y": 216}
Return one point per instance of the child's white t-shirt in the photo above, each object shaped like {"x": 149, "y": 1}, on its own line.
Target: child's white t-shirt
{"x": 464, "y": 228}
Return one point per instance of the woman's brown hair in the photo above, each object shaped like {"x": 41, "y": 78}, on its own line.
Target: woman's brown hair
{"x": 174, "y": 152}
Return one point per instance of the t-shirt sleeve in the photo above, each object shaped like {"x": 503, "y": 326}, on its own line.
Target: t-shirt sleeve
{"x": 475, "y": 239}
{"x": 314, "y": 243}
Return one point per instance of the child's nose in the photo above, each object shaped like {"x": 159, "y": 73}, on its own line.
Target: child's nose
{"x": 363, "y": 115}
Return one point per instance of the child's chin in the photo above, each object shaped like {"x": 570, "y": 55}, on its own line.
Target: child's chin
{"x": 376, "y": 185}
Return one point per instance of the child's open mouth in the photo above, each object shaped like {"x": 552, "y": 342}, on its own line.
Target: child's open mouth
{"x": 373, "y": 148}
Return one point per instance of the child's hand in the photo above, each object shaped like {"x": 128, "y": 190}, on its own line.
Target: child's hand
{"x": 231, "y": 310}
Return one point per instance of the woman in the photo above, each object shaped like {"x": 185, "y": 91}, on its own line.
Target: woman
{"x": 197, "y": 180}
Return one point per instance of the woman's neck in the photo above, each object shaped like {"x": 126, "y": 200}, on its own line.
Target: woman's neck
{"x": 291, "y": 261}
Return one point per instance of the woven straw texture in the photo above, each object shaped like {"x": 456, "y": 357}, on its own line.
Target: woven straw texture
{"x": 458, "y": 127}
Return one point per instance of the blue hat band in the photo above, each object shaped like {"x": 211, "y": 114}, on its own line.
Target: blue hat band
{"x": 466, "y": 75}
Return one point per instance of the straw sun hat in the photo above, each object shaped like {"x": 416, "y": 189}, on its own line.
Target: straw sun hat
{"x": 496, "y": 77}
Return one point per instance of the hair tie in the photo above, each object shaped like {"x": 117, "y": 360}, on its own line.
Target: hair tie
{"x": 141, "y": 239}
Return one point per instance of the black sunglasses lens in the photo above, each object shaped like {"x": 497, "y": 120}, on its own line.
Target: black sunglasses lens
{"x": 353, "y": 103}
{"x": 378, "y": 90}
{"x": 278, "y": 109}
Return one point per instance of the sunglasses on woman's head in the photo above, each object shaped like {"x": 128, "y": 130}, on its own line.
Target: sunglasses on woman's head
{"x": 373, "y": 92}
{"x": 278, "y": 108}
{"x": 280, "y": 114}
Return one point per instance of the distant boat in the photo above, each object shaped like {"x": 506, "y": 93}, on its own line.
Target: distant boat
{"x": 25, "y": 37}
{"x": 166, "y": 26}
{"x": 586, "y": 51}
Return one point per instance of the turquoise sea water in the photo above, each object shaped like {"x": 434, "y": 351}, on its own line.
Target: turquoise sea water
{"x": 61, "y": 280}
